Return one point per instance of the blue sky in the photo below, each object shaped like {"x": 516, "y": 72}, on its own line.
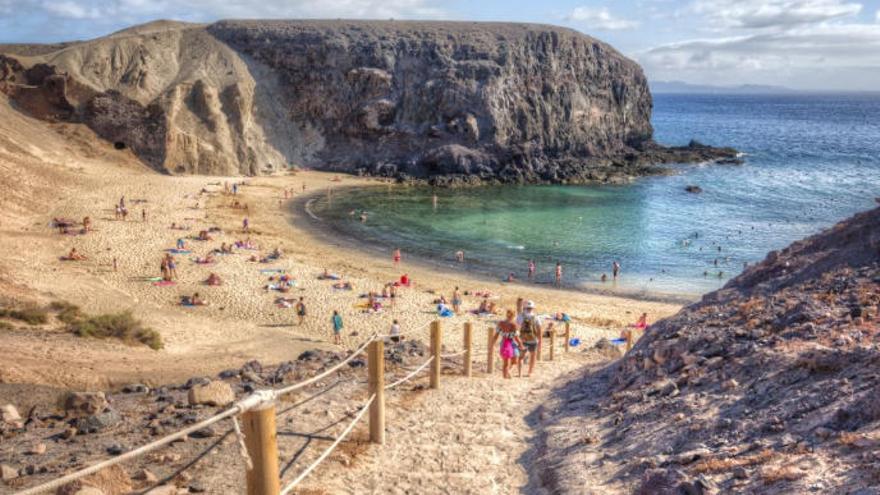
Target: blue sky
{"x": 804, "y": 44}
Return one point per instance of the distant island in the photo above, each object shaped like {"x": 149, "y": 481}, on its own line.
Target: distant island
{"x": 675, "y": 87}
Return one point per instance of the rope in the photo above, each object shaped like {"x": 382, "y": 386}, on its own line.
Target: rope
{"x": 243, "y": 405}
{"x": 315, "y": 378}
{"x": 454, "y": 354}
{"x": 414, "y": 373}
{"x": 289, "y": 488}
{"x": 242, "y": 448}
{"x": 407, "y": 333}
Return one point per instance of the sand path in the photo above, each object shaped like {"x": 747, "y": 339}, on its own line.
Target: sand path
{"x": 471, "y": 436}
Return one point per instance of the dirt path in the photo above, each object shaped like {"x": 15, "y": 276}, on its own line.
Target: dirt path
{"x": 471, "y": 436}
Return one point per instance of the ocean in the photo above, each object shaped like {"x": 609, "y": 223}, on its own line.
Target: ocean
{"x": 810, "y": 161}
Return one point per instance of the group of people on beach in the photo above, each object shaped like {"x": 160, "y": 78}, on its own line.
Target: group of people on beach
{"x": 521, "y": 334}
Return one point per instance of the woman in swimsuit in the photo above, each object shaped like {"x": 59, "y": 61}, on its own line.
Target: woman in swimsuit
{"x": 456, "y": 301}
{"x": 507, "y": 331}
{"x": 396, "y": 256}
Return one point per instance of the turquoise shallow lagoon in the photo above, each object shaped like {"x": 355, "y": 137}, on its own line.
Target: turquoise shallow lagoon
{"x": 811, "y": 160}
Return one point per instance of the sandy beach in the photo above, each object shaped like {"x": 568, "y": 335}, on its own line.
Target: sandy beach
{"x": 62, "y": 171}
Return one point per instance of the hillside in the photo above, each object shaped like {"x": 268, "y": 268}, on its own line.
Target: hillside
{"x": 765, "y": 386}
{"x": 460, "y": 102}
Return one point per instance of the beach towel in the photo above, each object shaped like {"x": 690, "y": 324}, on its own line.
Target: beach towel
{"x": 164, "y": 283}
{"x": 179, "y": 251}
{"x": 618, "y": 341}
{"x": 273, "y": 270}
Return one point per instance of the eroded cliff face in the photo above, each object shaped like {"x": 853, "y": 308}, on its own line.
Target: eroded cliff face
{"x": 450, "y": 102}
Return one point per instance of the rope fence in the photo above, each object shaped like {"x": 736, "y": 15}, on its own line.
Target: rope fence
{"x": 257, "y": 440}
{"x": 409, "y": 376}
{"x": 290, "y": 486}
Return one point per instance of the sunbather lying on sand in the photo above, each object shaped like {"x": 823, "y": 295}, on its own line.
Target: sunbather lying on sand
{"x": 74, "y": 255}
{"x": 204, "y": 236}
{"x": 342, "y": 285}
{"x": 213, "y": 279}
{"x": 328, "y": 276}
{"x": 193, "y": 300}
{"x": 207, "y": 260}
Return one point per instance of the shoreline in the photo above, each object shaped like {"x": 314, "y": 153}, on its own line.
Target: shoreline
{"x": 329, "y": 233}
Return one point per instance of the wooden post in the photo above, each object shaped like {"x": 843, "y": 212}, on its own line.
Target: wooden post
{"x": 567, "y": 336}
{"x": 260, "y": 438}
{"x": 376, "y": 364}
{"x": 468, "y": 344}
{"x": 436, "y": 344}
{"x": 490, "y": 356}
{"x": 552, "y": 343}
{"x": 538, "y": 352}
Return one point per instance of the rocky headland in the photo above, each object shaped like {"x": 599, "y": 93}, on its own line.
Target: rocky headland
{"x": 452, "y": 103}
{"x": 765, "y": 386}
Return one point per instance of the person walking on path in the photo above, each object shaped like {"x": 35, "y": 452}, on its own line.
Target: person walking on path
{"x": 510, "y": 343}
{"x": 530, "y": 334}
{"x": 337, "y": 327}
{"x": 300, "y": 311}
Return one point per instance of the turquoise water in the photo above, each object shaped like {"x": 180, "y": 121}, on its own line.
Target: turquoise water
{"x": 810, "y": 161}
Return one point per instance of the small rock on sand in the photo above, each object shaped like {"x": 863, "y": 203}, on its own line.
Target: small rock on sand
{"x": 212, "y": 394}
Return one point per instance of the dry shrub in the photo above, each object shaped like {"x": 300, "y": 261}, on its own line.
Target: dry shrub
{"x": 122, "y": 326}
{"x": 848, "y": 438}
{"x": 32, "y": 315}
{"x": 715, "y": 465}
{"x": 772, "y": 475}
{"x": 748, "y": 307}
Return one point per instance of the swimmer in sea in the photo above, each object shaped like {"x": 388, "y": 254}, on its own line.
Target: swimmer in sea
{"x": 459, "y": 255}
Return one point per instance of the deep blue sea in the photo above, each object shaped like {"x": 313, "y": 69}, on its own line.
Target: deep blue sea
{"x": 811, "y": 161}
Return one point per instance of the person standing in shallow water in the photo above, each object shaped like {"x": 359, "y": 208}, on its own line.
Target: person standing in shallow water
{"x": 337, "y": 327}
{"x": 615, "y": 269}
{"x": 558, "y": 274}
{"x": 531, "y": 269}
{"x": 395, "y": 256}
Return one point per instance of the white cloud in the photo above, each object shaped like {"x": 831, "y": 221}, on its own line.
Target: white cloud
{"x": 802, "y": 53}
{"x": 140, "y": 10}
{"x": 72, "y": 9}
{"x": 600, "y": 18}
{"x": 759, "y": 14}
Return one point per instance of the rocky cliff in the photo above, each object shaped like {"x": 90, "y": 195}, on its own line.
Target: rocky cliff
{"x": 457, "y": 102}
{"x": 765, "y": 386}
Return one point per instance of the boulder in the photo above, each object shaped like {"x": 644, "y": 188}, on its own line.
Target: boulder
{"x": 97, "y": 422}
{"x": 85, "y": 403}
{"x": 211, "y": 394}
{"x": 9, "y": 414}
{"x": 7, "y": 472}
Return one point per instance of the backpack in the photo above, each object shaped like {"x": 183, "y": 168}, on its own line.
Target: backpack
{"x": 529, "y": 330}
